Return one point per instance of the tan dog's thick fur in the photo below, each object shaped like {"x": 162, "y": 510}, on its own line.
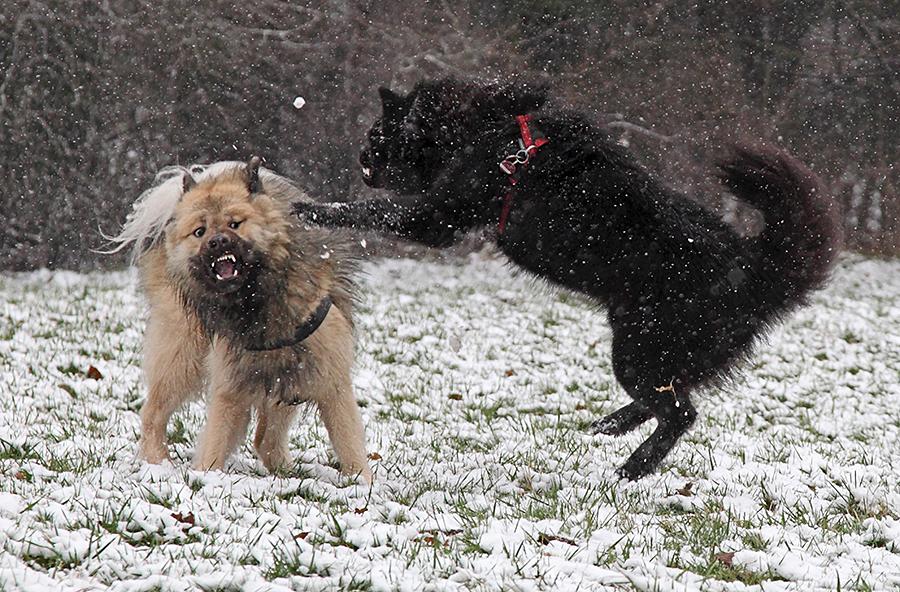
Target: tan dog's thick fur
{"x": 231, "y": 280}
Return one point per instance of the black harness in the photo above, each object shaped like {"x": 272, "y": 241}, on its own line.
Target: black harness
{"x": 309, "y": 326}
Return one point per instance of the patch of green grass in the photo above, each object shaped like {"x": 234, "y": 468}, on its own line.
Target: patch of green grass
{"x": 13, "y": 451}
{"x": 69, "y": 389}
{"x": 71, "y": 370}
{"x": 8, "y": 328}
{"x": 305, "y": 493}
{"x": 177, "y": 432}
{"x": 48, "y": 559}
{"x": 117, "y": 517}
{"x": 289, "y": 559}
{"x": 754, "y": 541}
{"x": 714, "y": 568}
{"x": 697, "y": 531}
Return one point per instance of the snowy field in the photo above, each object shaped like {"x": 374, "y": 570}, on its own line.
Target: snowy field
{"x": 476, "y": 388}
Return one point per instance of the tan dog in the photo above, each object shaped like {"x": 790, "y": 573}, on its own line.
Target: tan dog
{"x": 245, "y": 302}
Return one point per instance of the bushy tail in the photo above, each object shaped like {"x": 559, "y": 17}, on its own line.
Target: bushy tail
{"x": 802, "y": 235}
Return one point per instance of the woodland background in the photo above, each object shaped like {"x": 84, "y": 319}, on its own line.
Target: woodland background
{"x": 97, "y": 95}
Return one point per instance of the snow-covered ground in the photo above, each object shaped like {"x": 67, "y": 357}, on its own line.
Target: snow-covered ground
{"x": 476, "y": 387}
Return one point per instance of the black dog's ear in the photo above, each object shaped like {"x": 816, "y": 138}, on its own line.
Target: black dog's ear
{"x": 187, "y": 182}
{"x": 502, "y": 100}
{"x": 391, "y": 102}
{"x": 252, "y": 170}
{"x": 519, "y": 98}
{"x": 536, "y": 95}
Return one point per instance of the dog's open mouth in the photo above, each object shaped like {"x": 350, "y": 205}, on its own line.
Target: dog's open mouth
{"x": 226, "y": 267}
{"x": 225, "y": 263}
{"x": 368, "y": 176}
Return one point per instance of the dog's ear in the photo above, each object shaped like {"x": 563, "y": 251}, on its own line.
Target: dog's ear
{"x": 254, "y": 185}
{"x": 187, "y": 182}
{"x": 392, "y": 102}
{"x": 520, "y": 98}
{"x": 536, "y": 95}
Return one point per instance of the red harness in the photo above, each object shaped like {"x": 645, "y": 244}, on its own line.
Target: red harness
{"x": 522, "y": 157}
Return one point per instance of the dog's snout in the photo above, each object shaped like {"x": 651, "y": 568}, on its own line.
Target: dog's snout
{"x": 220, "y": 242}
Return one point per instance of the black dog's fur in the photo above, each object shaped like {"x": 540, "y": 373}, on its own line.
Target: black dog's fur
{"x": 685, "y": 295}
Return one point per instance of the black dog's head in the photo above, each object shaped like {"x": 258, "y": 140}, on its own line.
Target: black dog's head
{"x": 398, "y": 149}
{"x": 419, "y": 132}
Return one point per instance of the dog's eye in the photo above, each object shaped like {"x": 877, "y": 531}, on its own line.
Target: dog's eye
{"x": 198, "y": 232}
{"x": 234, "y": 224}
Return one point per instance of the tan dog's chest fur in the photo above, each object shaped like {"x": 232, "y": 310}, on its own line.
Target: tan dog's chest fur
{"x": 201, "y": 326}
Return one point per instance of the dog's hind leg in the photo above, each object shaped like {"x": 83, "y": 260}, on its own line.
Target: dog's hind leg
{"x": 271, "y": 440}
{"x": 674, "y": 420}
{"x": 660, "y": 384}
{"x": 623, "y": 420}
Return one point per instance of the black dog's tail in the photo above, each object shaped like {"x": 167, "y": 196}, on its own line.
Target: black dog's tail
{"x": 802, "y": 235}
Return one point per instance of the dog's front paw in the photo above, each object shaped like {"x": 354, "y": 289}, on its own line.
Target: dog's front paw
{"x": 608, "y": 426}
{"x": 362, "y": 470}
{"x": 631, "y": 473}
{"x": 275, "y": 457}
{"x": 153, "y": 452}
{"x": 312, "y": 213}
{"x": 622, "y": 421}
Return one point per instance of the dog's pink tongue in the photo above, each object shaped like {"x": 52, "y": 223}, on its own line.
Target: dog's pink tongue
{"x": 225, "y": 269}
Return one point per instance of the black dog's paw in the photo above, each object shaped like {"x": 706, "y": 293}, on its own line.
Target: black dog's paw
{"x": 308, "y": 212}
{"x": 640, "y": 464}
{"x": 630, "y": 472}
{"x": 330, "y": 215}
{"x": 608, "y": 426}
{"x": 622, "y": 421}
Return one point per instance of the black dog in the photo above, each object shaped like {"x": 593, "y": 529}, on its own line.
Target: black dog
{"x": 685, "y": 295}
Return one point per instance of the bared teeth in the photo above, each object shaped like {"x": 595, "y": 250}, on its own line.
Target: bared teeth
{"x": 225, "y": 267}
{"x": 367, "y": 172}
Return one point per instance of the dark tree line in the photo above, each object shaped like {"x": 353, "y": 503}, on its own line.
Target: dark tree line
{"x": 98, "y": 95}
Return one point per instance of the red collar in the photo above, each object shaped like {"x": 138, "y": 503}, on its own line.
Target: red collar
{"x": 522, "y": 157}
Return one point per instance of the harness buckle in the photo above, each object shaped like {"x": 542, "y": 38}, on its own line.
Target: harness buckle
{"x": 527, "y": 149}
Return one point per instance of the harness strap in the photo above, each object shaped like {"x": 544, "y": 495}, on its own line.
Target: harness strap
{"x": 307, "y": 328}
{"x": 523, "y": 121}
{"x": 522, "y": 158}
